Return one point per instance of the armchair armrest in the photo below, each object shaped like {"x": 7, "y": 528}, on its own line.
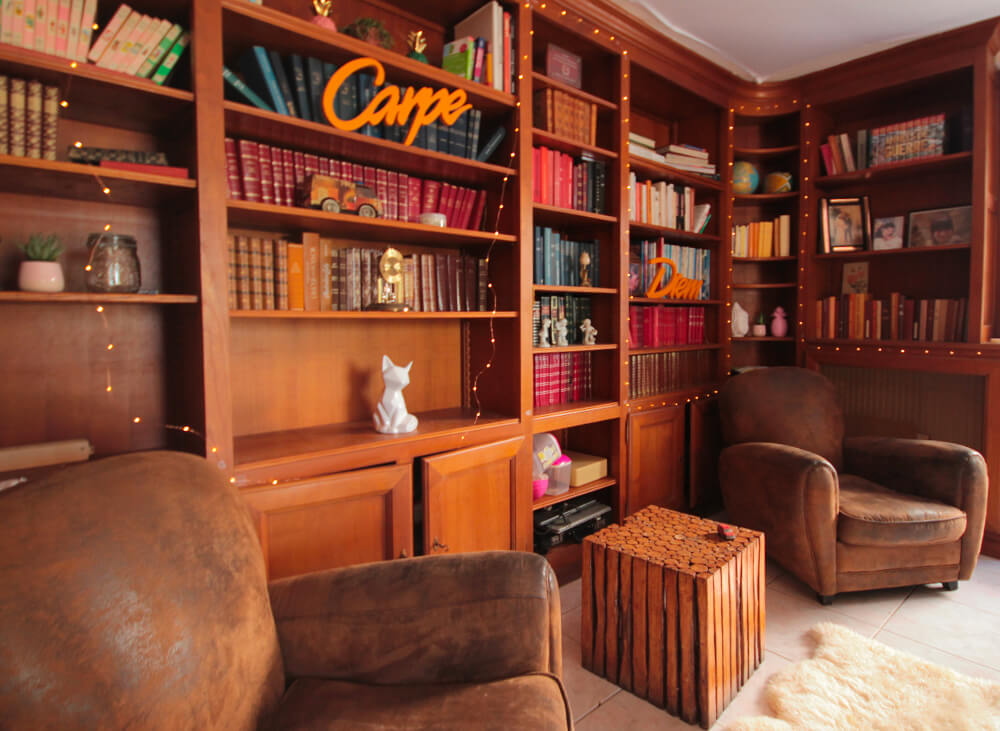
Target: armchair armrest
{"x": 438, "y": 619}
{"x": 792, "y": 495}
{"x": 951, "y": 473}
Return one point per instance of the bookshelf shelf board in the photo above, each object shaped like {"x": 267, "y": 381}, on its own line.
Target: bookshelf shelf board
{"x": 759, "y": 152}
{"x": 896, "y": 170}
{"x": 777, "y": 285}
{"x": 894, "y": 252}
{"x": 565, "y": 416}
{"x": 246, "y": 24}
{"x": 666, "y": 301}
{"x": 764, "y": 197}
{"x": 342, "y": 225}
{"x": 51, "y": 178}
{"x": 256, "y": 451}
{"x": 649, "y": 229}
{"x": 58, "y": 298}
{"x": 661, "y": 171}
{"x": 541, "y": 80}
{"x": 97, "y": 96}
{"x": 569, "y": 145}
{"x": 355, "y": 315}
{"x": 677, "y": 397}
{"x": 674, "y": 348}
{"x": 574, "y": 290}
{"x": 755, "y": 259}
{"x": 594, "y": 486}
{"x": 547, "y": 215}
{"x": 575, "y": 348}
{"x": 893, "y": 347}
{"x": 762, "y": 339}
{"x": 278, "y": 129}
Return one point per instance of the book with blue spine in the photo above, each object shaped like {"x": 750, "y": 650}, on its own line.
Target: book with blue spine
{"x": 256, "y": 69}
{"x": 245, "y": 91}
{"x": 286, "y": 88}
{"x": 297, "y": 72}
{"x": 316, "y": 83}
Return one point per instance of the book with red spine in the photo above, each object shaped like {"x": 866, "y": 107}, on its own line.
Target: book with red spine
{"x": 278, "y": 176}
{"x": 445, "y": 201}
{"x": 414, "y": 198}
{"x": 299, "y": 166}
{"x": 288, "y": 160}
{"x": 382, "y": 189}
{"x": 266, "y": 174}
{"x": 324, "y": 166}
{"x": 463, "y": 207}
{"x": 402, "y": 197}
{"x": 392, "y": 196}
{"x": 427, "y": 283}
{"x": 334, "y": 166}
{"x": 430, "y": 193}
{"x": 536, "y": 175}
{"x": 233, "y": 177}
{"x": 476, "y": 223}
{"x": 310, "y": 165}
{"x": 250, "y": 171}
{"x": 369, "y": 176}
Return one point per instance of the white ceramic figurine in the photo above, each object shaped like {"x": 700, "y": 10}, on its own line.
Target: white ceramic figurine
{"x": 390, "y": 414}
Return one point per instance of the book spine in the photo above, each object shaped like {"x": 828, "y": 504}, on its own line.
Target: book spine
{"x": 310, "y": 269}
{"x": 108, "y": 58}
{"x": 232, "y": 278}
{"x": 123, "y": 55}
{"x": 132, "y": 57}
{"x": 249, "y": 94}
{"x": 4, "y": 115}
{"x": 169, "y": 63}
{"x": 243, "y": 288}
{"x": 325, "y": 273}
{"x": 233, "y": 170}
{"x": 266, "y": 173}
{"x": 86, "y": 33}
{"x": 50, "y": 121}
{"x": 41, "y": 24}
{"x": 281, "y": 274}
{"x": 297, "y": 70}
{"x": 250, "y": 171}
{"x": 18, "y": 116}
{"x": 157, "y": 52}
{"x": 28, "y": 34}
{"x": 288, "y": 158}
{"x": 278, "y": 177}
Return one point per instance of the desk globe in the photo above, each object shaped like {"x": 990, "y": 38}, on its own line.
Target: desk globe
{"x": 745, "y": 178}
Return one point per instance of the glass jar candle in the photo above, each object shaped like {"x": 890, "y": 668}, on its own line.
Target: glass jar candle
{"x": 113, "y": 265}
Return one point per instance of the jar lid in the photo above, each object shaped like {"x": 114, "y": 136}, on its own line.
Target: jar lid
{"x": 113, "y": 239}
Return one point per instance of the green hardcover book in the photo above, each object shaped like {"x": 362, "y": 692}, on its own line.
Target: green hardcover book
{"x": 248, "y": 94}
{"x": 170, "y": 61}
{"x": 157, "y": 54}
{"x": 459, "y": 56}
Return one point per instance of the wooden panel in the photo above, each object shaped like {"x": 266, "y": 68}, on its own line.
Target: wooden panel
{"x": 339, "y": 520}
{"x": 656, "y": 459}
{"x": 704, "y": 445}
{"x": 469, "y": 498}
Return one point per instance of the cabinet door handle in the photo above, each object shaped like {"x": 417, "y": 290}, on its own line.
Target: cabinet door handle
{"x": 438, "y": 546}
{"x": 404, "y": 553}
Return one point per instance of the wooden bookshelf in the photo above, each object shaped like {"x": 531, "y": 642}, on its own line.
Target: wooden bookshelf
{"x": 377, "y": 316}
{"x": 573, "y": 492}
{"x": 898, "y": 170}
{"x": 570, "y": 146}
{"x": 62, "y": 298}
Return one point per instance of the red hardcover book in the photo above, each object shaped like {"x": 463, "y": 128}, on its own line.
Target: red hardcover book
{"x": 471, "y": 273}
{"x": 441, "y": 280}
{"x": 334, "y": 166}
{"x": 266, "y": 174}
{"x": 324, "y": 166}
{"x": 250, "y": 171}
{"x": 403, "y": 196}
{"x": 310, "y": 164}
{"x": 506, "y": 65}
{"x": 136, "y": 167}
{"x": 382, "y": 189}
{"x": 369, "y": 176}
{"x": 233, "y": 177}
{"x": 278, "y": 173}
{"x": 415, "y": 200}
{"x": 392, "y": 195}
{"x": 431, "y": 191}
{"x": 464, "y": 207}
{"x": 288, "y": 160}
{"x": 536, "y": 175}
{"x": 448, "y": 204}
{"x": 299, "y": 166}
{"x": 476, "y": 223}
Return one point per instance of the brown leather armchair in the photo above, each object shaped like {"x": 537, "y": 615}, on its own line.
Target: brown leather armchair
{"x": 845, "y": 514}
{"x": 133, "y": 594}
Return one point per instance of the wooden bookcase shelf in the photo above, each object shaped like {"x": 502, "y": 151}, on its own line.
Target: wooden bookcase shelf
{"x": 764, "y": 197}
{"x": 763, "y": 339}
{"x": 668, "y": 301}
{"x": 674, "y": 235}
{"x": 84, "y": 182}
{"x": 573, "y": 290}
{"x": 374, "y": 315}
{"x": 576, "y": 348}
{"x": 542, "y": 81}
{"x": 569, "y": 145}
{"x": 760, "y": 152}
{"x": 675, "y": 348}
{"x": 898, "y": 170}
{"x": 547, "y": 500}
{"x": 62, "y": 298}
{"x": 762, "y": 285}
{"x": 557, "y": 216}
{"x": 892, "y": 253}
{"x": 566, "y": 416}
{"x": 762, "y": 259}
{"x": 661, "y": 171}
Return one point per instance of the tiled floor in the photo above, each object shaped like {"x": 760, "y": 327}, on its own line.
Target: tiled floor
{"x": 958, "y": 629}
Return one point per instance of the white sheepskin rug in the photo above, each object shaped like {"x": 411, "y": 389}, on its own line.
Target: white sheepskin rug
{"x": 855, "y": 683}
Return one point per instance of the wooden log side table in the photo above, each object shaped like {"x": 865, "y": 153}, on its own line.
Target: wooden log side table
{"x": 672, "y": 612}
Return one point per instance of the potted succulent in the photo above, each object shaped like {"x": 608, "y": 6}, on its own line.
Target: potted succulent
{"x": 371, "y": 31}
{"x": 759, "y": 327}
{"x": 41, "y": 270}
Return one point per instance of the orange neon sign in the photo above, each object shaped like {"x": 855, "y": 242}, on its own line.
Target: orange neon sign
{"x": 678, "y": 286}
{"x": 391, "y": 105}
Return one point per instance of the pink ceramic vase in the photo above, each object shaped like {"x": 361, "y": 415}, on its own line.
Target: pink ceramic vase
{"x": 779, "y": 325}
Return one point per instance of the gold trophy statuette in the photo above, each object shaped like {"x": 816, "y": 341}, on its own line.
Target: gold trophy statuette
{"x": 322, "y": 17}
{"x": 390, "y": 269}
{"x": 418, "y": 44}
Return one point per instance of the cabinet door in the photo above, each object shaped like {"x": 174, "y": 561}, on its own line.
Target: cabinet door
{"x": 656, "y": 459}
{"x": 469, "y": 498}
{"x": 334, "y": 520}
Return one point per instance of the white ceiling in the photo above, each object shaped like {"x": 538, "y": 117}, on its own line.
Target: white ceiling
{"x": 771, "y": 40}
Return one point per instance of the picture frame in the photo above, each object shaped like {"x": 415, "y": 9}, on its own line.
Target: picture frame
{"x": 887, "y": 233}
{"x": 846, "y": 224}
{"x": 940, "y": 227}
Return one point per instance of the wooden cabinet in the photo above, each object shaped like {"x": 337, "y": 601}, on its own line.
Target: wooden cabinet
{"x": 336, "y": 520}
{"x": 656, "y": 459}
{"x": 469, "y": 498}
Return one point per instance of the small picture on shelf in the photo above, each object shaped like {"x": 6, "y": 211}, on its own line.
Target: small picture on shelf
{"x": 887, "y": 233}
{"x": 563, "y": 66}
{"x": 855, "y": 278}
{"x": 940, "y": 227}
{"x": 846, "y": 224}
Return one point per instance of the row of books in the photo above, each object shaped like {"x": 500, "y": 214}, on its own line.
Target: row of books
{"x": 261, "y": 173}
{"x": 565, "y": 115}
{"x": 651, "y": 374}
{"x": 483, "y": 49}
{"x": 660, "y": 203}
{"x": 860, "y": 316}
{"x": 762, "y": 239}
{"x": 562, "y": 378}
{"x": 659, "y": 326}
{"x": 688, "y": 158}
{"x": 922, "y": 137}
{"x": 691, "y": 263}
{"x": 562, "y": 180}
{"x": 136, "y": 161}
{"x": 560, "y": 262}
{"x": 318, "y": 276}
{"x": 29, "y": 118}
{"x": 293, "y": 85}
{"x": 132, "y": 42}
{"x": 565, "y": 311}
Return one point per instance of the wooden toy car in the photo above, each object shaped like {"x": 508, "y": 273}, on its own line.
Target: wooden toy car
{"x": 342, "y": 196}
{"x": 726, "y": 532}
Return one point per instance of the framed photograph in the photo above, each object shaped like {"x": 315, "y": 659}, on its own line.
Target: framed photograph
{"x": 940, "y": 227}
{"x": 887, "y": 233}
{"x": 846, "y": 224}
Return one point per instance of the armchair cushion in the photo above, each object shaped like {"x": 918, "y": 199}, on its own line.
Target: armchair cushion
{"x": 872, "y": 515}
{"x": 534, "y": 701}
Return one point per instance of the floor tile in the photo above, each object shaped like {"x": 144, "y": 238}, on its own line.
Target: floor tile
{"x": 750, "y": 700}
{"x": 584, "y": 690}
{"x": 772, "y": 571}
{"x": 569, "y": 596}
{"x": 922, "y": 650}
{"x": 982, "y": 591}
{"x": 874, "y": 607}
{"x": 571, "y": 625}
{"x": 932, "y": 618}
{"x": 626, "y": 712}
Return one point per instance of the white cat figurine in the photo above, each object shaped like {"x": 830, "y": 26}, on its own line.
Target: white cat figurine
{"x": 390, "y": 412}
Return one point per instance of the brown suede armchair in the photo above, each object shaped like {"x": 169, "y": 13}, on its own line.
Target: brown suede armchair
{"x": 845, "y": 514}
{"x": 133, "y": 594}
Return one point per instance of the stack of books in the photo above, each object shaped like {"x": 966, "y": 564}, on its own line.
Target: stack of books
{"x": 660, "y": 325}
{"x": 29, "y": 118}
{"x": 691, "y": 262}
{"x": 762, "y": 239}
{"x": 566, "y": 115}
{"x": 562, "y": 180}
{"x": 651, "y": 374}
{"x": 317, "y": 275}
{"x": 260, "y": 173}
{"x": 562, "y": 378}
{"x": 483, "y": 48}
{"x": 665, "y": 204}
{"x": 557, "y": 307}
{"x": 846, "y": 152}
{"x": 859, "y": 316}
{"x": 558, "y": 260}
{"x": 688, "y": 158}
